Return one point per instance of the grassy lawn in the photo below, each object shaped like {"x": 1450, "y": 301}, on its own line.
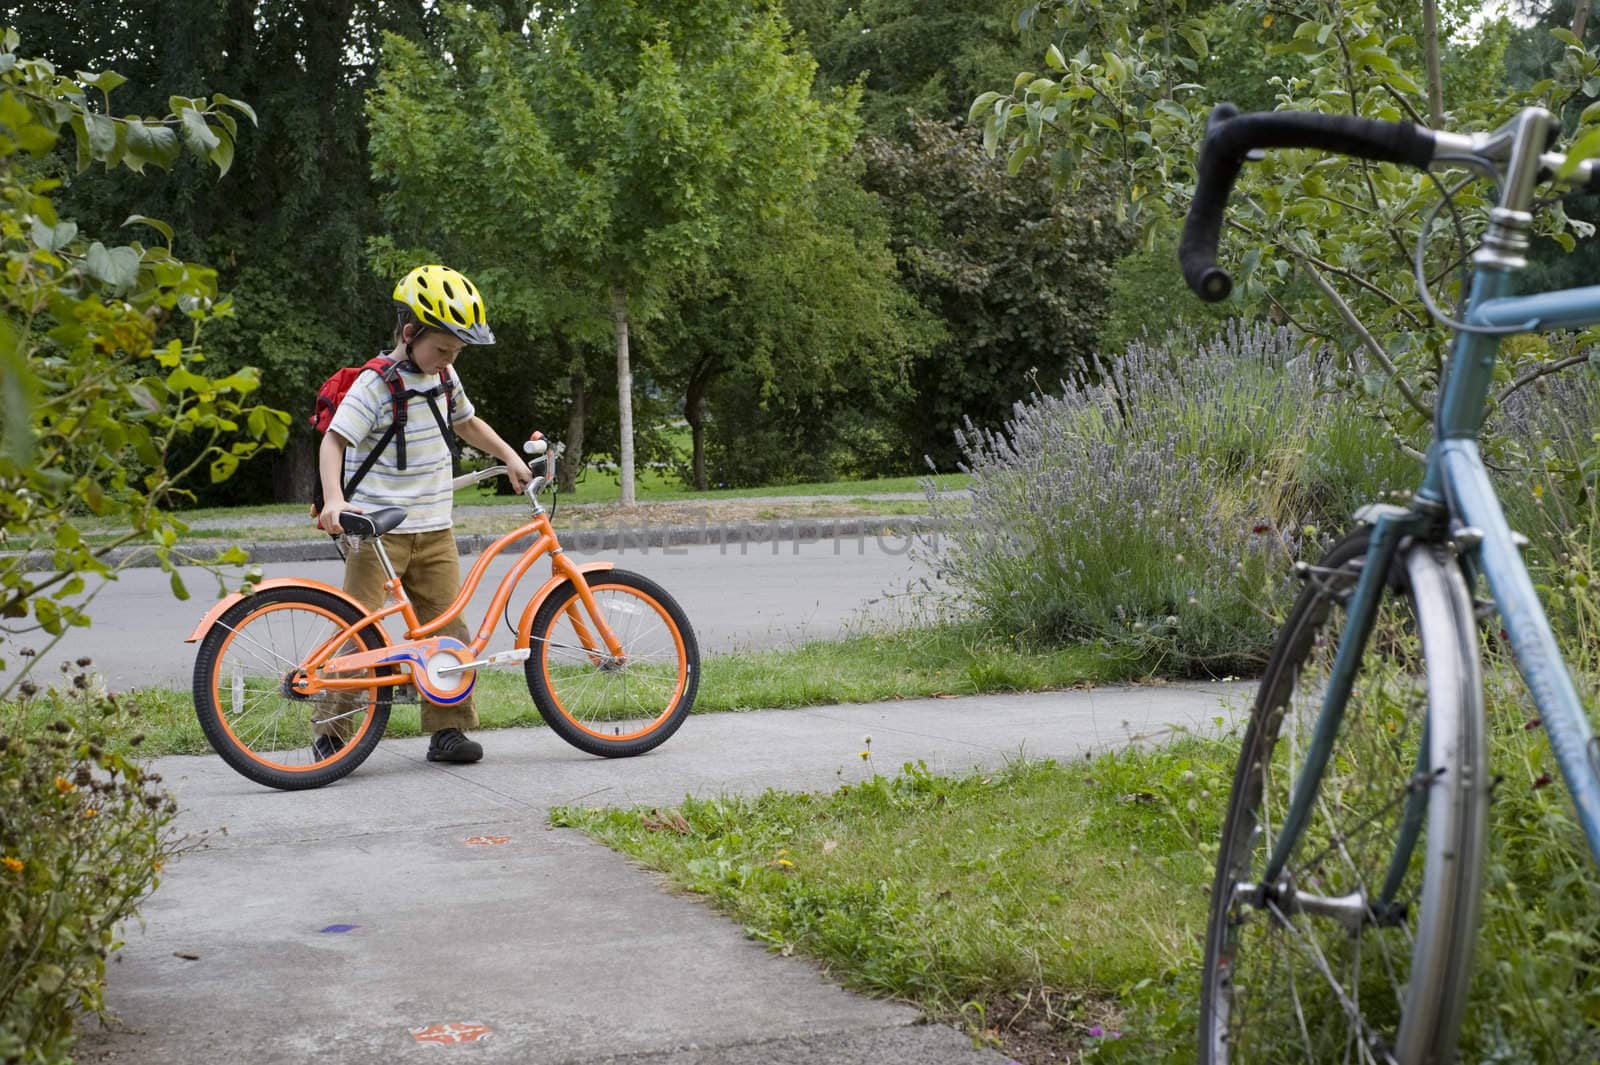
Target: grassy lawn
{"x": 1051, "y": 910}
{"x": 914, "y": 663}
{"x": 598, "y": 487}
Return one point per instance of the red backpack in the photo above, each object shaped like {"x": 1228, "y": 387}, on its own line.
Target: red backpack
{"x": 332, "y": 393}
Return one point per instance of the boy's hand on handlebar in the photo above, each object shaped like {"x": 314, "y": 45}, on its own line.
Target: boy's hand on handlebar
{"x": 519, "y": 473}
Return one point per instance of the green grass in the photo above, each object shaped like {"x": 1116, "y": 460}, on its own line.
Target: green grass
{"x": 654, "y": 487}
{"x": 1026, "y": 903}
{"x": 951, "y": 660}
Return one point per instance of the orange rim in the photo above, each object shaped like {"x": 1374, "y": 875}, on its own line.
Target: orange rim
{"x": 222, "y": 719}
{"x": 677, "y": 640}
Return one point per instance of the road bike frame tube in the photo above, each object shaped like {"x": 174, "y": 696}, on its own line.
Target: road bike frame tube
{"x": 1359, "y": 619}
{"x": 1525, "y": 625}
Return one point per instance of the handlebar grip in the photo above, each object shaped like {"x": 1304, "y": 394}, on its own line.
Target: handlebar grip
{"x": 1231, "y": 136}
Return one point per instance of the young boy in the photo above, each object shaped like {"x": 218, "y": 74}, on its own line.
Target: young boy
{"x": 440, "y": 312}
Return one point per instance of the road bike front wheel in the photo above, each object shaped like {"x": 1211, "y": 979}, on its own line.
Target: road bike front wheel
{"x": 246, "y": 703}
{"x": 1361, "y": 950}
{"x": 621, "y": 705}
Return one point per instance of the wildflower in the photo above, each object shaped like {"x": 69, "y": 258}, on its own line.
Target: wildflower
{"x": 13, "y": 864}
{"x": 865, "y": 755}
{"x": 90, "y": 812}
{"x": 784, "y": 863}
{"x": 65, "y": 786}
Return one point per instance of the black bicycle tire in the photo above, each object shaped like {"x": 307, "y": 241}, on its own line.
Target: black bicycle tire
{"x": 207, "y": 708}
{"x": 548, "y": 704}
{"x": 1452, "y": 866}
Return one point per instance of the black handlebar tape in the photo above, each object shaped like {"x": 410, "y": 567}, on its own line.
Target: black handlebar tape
{"x": 1231, "y": 136}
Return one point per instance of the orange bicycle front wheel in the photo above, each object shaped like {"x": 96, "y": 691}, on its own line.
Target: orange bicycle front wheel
{"x": 613, "y": 705}
{"x": 249, "y": 709}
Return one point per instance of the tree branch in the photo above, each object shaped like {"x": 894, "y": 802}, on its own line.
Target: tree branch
{"x": 1543, "y": 370}
{"x": 1367, "y": 341}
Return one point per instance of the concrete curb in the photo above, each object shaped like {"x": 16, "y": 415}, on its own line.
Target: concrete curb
{"x": 738, "y": 534}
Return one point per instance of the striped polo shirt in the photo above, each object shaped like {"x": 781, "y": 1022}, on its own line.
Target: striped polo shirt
{"x": 423, "y": 487}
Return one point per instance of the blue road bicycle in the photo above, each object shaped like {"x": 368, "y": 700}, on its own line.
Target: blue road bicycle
{"x": 1345, "y": 904}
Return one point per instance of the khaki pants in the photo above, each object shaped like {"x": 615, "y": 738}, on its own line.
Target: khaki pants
{"x": 430, "y": 572}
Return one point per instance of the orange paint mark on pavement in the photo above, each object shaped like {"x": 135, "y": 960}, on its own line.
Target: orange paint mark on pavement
{"x": 486, "y": 841}
{"x": 451, "y": 1034}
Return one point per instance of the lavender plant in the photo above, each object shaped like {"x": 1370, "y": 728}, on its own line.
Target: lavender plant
{"x": 1156, "y": 511}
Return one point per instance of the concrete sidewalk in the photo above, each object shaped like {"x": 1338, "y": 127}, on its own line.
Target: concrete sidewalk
{"x": 341, "y": 924}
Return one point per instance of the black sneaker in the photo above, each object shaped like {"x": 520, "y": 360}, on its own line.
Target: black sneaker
{"x": 452, "y": 745}
{"x": 325, "y": 747}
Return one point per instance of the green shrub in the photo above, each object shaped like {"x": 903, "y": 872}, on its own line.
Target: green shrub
{"x": 1157, "y": 512}
{"x": 83, "y": 836}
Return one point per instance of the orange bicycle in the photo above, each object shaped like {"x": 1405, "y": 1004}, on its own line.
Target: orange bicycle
{"x": 293, "y": 681}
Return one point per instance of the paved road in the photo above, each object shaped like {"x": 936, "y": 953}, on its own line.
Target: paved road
{"x": 737, "y": 595}
{"x": 562, "y": 949}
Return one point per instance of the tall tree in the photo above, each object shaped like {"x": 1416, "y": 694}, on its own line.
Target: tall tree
{"x": 614, "y": 143}
{"x": 927, "y": 56}
{"x": 1018, "y": 275}
{"x": 288, "y": 229}
{"x": 793, "y": 336}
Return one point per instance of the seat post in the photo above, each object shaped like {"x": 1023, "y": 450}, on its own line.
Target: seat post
{"x": 383, "y": 557}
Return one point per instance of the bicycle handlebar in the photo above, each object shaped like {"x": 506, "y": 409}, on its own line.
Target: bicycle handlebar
{"x": 1231, "y": 137}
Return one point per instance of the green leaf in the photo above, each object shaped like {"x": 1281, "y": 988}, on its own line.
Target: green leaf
{"x": 1590, "y": 114}
{"x": 163, "y": 146}
{"x": 80, "y": 133}
{"x": 238, "y": 105}
{"x": 222, "y": 468}
{"x": 154, "y": 223}
{"x": 1566, "y": 37}
{"x": 1585, "y": 147}
{"x": 178, "y": 589}
{"x": 197, "y": 134}
{"x": 1566, "y": 240}
{"x": 1197, "y": 41}
{"x": 56, "y": 237}
{"x": 981, "y": 104}
{"x": 222, "y": 154}
{"x": 1019, "y": 155}
{"x": 1054, "y": 59}
{"x": 105, "y": 81}
{"x": 102, "y": 135}
{"x": 117, "y": 267}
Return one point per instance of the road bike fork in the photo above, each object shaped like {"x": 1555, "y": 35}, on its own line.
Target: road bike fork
{"x": 1359, "y": 615}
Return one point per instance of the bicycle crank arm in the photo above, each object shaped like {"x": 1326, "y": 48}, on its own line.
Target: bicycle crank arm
{"x": 504, "y": 658}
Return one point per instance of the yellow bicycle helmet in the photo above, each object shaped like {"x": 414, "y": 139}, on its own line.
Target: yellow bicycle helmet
{"x": 442, "y": 299}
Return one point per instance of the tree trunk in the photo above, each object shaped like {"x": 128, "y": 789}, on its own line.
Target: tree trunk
{"x": 572, "y": 460}
{"x": 695, "y": 411}
{"x": 294, "y": 470}
{"x": 619, "y": 318}
{"x": 1430, "y": 51}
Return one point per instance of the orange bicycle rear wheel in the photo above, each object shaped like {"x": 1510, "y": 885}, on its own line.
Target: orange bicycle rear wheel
{"x": 246, "y": 702}
{"x": 613, "y": 705}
